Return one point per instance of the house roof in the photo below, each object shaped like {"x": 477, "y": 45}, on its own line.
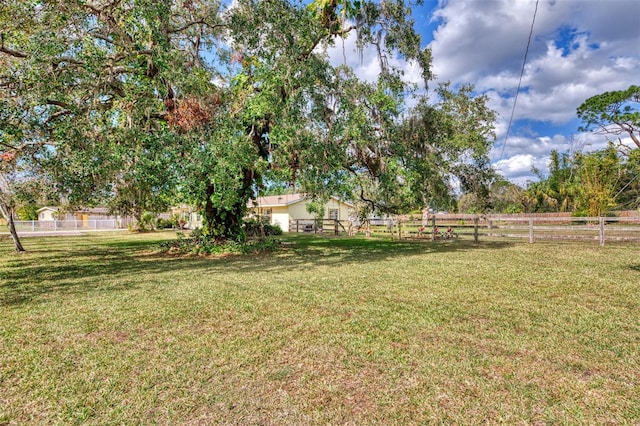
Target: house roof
{"x": 277, "y": 200}
{"x": 96, "y": 210}
{"x": 283, "y": 200}
{"x": 52, "y": 209}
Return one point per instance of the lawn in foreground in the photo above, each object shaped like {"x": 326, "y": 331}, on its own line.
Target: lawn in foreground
{"x": 100, "y": 330}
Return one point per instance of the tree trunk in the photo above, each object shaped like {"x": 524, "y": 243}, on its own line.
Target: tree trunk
{"x": 137, "y": 217}
{"x": 223, "y": 224}
{"x": 7, "y": 213}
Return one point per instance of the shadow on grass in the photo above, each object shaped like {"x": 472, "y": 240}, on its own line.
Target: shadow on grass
{"x": 93, "y": 265}
{"x": 309, "y": 251}
{"x": 635, "y": 267}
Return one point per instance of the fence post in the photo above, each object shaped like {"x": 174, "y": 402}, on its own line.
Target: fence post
{"x": 335, "y": 226}
{"x": 475, "y": 229}
{"x": 530, "y": 230}
{"x": 33, "y": 225}
{"x": 601, "y": 231}
{"x": 399, "y": 229}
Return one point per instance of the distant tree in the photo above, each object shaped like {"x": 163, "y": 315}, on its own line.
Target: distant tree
{"x": 598, "y": 182}
{"x": 28, "y": 211}
{"x": 628, "y": 196}
{"x": 589, "y": 184}
{"x": 614, "y": 113}
{"x": 504, "y": 197}
{"x": 556, "y": 191}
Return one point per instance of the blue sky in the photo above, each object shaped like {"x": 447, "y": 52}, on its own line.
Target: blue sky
{"x": 579, "y": 48}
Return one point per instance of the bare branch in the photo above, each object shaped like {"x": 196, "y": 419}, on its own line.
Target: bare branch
{"x": 11, "y": 52}
{"x": 58, "y": 103}
{"x": 56, "y": 115}
{"x": 68, "y": 59}
{"x": 119, "y": 70}
{"x": 192, "y": 23}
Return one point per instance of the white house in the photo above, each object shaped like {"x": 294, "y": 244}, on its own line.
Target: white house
{"x": 48, "y": 213}
{"x": 282, "y": 210}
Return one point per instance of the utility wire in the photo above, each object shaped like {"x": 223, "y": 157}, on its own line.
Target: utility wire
{"x": 515, "y": 99}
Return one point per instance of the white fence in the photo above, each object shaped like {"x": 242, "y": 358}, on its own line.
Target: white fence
{"x": 26, "y": 226}
{"x": 531, "y": 228}
{"x": 599, "y": 229}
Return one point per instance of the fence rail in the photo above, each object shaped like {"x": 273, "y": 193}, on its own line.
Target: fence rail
{"x": 335, "y": 227}
{"x": 435, "y": 227}
{"x": 29, "y": 226}
{"x": 532, "y": 228}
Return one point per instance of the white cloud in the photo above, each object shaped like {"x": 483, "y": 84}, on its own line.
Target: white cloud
{"x": 519, "y": 168}
{"x": 578, "y": 49}
{"x": 537, "y": 146}
{"x": 363, "y": 62}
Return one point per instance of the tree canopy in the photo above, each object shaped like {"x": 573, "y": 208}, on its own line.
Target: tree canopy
{"x": 145, "y": 103}
{"x": 614, "y": 113}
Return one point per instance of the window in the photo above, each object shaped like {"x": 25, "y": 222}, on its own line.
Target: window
{"x": 333, "y": 214}
{"x": 266, "y": 215}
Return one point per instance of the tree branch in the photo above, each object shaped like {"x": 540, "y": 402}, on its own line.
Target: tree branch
{"x": 57, "y": 114}
{"x": 58, "y": 103}
{"x": 192, "y": 23}
{"x": 305, "y": 55}
{"x": 11, "y": 52}
{"x": 68, "y": 59}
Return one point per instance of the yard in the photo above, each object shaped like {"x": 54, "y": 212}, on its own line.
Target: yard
{"x": 100, "y": 330}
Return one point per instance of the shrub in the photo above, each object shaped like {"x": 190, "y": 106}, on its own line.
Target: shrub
{"x": 164, "y": 223}
{"x": 198, "y": 243}
{"x": 254, "y": 228}
{"x": 28, "y": 212}
{"x": 146, "y": 221}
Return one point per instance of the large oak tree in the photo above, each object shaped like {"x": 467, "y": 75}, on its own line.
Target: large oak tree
{"x": 140, "y": 102}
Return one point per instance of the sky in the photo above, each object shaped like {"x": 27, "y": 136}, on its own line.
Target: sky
{"x": 578, "y": 49}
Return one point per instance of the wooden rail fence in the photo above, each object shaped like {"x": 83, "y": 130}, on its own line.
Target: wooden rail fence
{"x": 335, "y": 227}
{"x": 523, "y": 227}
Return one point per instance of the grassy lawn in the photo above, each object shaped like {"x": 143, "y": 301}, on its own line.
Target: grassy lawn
{"x": 100, "y": 330}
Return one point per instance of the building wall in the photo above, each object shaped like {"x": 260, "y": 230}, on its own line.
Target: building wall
{"x": 343, "y": 209}
{"x": 280, "y": 217}
{"x": 299, "y": 210}
{"x": 46, "y": 215}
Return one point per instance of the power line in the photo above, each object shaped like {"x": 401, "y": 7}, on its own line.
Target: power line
{"x": 515, "y": 99}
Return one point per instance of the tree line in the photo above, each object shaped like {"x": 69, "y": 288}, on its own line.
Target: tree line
{"x": 592, "y": 183}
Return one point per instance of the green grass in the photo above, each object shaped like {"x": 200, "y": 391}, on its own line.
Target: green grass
{"x": 100, "y": 330}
